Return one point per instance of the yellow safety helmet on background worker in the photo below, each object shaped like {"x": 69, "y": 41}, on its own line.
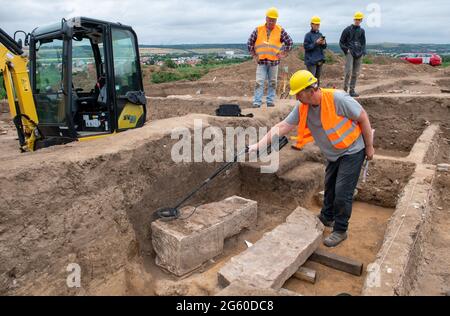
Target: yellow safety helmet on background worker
{"x": 301, "y": 80}
{"x": 358, "y": 16}
{"x": 315, "y": 20}
{"x": 272, "y": 13}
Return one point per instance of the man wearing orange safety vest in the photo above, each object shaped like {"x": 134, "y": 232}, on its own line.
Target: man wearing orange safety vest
{"x": 340, "y": 127}
{"x": 268, "y": 44}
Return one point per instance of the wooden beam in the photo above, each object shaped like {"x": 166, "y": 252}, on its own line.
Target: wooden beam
{"x": 337, "y": 262}
{"x": 306, "y": 274}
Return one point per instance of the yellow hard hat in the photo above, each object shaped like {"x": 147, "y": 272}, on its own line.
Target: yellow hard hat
{"x": 315, "y": 20}
{"x": 272, "y": 13}
{"x": 358, "y": 16}
{"x": 301, "y": 80}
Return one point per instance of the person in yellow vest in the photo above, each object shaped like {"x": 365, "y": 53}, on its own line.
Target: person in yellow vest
{"x": 340, "y": 127}
{"x": 268, "y": 44}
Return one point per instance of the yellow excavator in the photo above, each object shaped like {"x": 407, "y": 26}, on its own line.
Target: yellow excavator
{"x": 81, "y": 80}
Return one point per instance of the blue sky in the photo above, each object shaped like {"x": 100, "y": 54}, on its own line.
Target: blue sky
{"x": 202, "y": 21}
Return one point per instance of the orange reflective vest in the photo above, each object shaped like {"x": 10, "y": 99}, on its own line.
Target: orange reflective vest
{"x": 341, "y": 131}
{"x": 268, "y": 48}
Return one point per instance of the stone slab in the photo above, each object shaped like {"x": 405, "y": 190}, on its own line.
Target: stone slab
{"x": 277, "y": 255}
{"x": 182, "y": 246}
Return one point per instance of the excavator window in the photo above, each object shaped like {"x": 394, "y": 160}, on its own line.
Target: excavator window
{"x": 90, "y": 110}
{"x": 84, "y": 73}
{"x": 49, "y": 97}
{"x": 125, "y": 62}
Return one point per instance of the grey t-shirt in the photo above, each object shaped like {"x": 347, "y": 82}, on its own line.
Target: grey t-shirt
{"x": 345, "y": 106}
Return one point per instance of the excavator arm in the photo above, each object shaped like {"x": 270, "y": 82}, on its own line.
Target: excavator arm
{"x": 13, "y": 67}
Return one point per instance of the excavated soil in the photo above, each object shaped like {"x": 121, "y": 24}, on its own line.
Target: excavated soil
{"x": 366, "y": 234}
{"x": 399, "y": 121}
{"x": 239, "y": 80}
{"x": 113, "y": 196}
{"x": 396, "y": 87}
{"x": 384, "y": 183}
{"x": 443, "y": 143}
{"x": 90, "y": 202}
{"x": 4, "y": 107}
{"x": 444, "y": 84}
{"x": 433, "y": 275}
{"x": 277, "y": 195}
{"x": 161, "y": 108}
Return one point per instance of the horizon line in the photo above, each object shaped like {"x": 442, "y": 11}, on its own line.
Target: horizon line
{"x": 298, "y": 43}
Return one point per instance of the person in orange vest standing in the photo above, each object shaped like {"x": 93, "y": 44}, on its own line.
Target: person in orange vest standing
{"x": 340, "y": 127}
{"x": 268, "y": 44}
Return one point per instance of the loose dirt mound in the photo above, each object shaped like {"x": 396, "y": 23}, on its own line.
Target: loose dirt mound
{"x": 384, "y": 182}
{"x": 4, "y": 107}
{"x": 246, "y": 70}
{"x": 444, "y": 83}
{"x": 161, "y": 108}
{"x": 381, "y": 66}
{"x": 399, "y": 121}
{"x": 238, "y": 80}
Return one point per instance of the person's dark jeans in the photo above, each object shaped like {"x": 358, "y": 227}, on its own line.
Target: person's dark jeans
{"x": 341, "y": 178}
{"x": 316, "y": 70}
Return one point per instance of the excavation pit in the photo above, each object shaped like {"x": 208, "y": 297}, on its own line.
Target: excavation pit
{"x": 93, "y": 203}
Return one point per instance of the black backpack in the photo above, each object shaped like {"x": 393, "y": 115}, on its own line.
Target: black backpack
{"x": 231, "y": 110}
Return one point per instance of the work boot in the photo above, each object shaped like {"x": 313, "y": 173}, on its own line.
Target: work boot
{"x": 335, "y": 239}
{"x": 324, "y": 221}
{"x": 353, "y": 94}
{"x": 270, "y": 105}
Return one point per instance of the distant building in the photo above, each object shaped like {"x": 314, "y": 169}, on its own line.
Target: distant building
{"x": 145, "y": 60}
{"x": 231, "y": 54}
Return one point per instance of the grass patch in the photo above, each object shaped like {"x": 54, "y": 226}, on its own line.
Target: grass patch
{"x": 330, "y": 58}
{"x": 301, "y": 55}
{"x": 187, "y": 72}
{"x": 445, "y": 61}
{"x": 191, "y": 74}
{"x": 367, "y": 60}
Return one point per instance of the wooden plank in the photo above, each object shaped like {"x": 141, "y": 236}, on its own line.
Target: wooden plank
{"x": 337, "y": 262}
{"x": 306, "y": 274}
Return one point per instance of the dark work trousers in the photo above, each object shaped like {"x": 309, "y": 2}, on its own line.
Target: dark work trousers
{"x": 316, "y": 70}
{"x": 341, "y": 178}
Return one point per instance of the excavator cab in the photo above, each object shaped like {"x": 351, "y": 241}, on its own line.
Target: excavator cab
{"x": 86, "y": 80}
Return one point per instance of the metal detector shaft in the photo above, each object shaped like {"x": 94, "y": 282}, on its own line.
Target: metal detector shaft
{"x": 204, "y": 183}
{"x": 281, "y": 143}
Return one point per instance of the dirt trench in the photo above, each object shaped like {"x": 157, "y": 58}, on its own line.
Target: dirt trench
{"x": 399, "y": 121}
{"x": 162, "y": 108}
{"x": 94, "y": 207}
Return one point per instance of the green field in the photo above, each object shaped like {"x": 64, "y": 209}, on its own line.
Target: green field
{"x": 171, "y": 72}
{"x": 445, "y": 61}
